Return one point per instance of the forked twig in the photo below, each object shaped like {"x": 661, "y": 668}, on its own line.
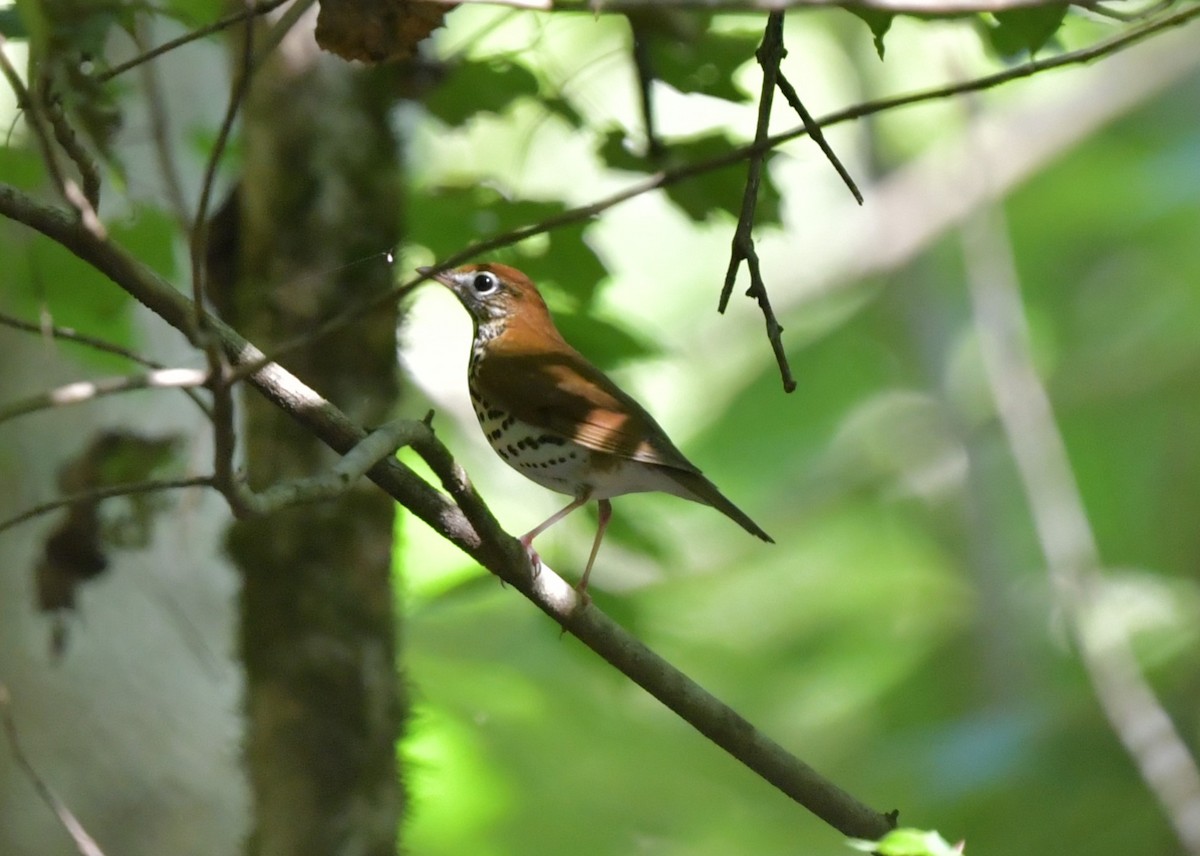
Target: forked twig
{"x": 769, "y": 55}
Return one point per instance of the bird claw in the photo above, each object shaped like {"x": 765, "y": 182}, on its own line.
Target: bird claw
{"x": 535, "y": 561}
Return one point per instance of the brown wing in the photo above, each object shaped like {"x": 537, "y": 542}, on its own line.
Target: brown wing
{"x": 562, "y": 392}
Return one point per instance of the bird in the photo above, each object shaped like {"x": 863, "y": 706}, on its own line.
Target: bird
{"x": 557, "y": 419}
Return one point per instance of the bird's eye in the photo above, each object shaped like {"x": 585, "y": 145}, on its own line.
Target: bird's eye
{"x": 485, "y": 283}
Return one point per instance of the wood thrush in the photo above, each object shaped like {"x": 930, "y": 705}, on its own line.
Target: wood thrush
{"x": 556, "y": 418}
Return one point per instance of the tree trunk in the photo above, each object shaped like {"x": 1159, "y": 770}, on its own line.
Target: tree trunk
{"x": 318, "y": 195}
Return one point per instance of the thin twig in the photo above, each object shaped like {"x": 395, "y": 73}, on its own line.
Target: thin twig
{"x": 224, "y": 413}
{"x": 69, "y": 140}
{"x": 84, "y": 843}
{"x": 225, "y": 475}
{"x": 275, "y": 35}
{"x": 1068, "y": 543}
{"x": 199, "y": 236}
{"x": 770, "y": 53}
{"x": 643, "y": 65}
{"x": 367, "y": 452}
{"x": 160, "y": 132}
{"x": 215, "y": 27}
{"x": 1105, "y": 11}
{"x": 107, "y": 492}
{"x": 97, "y": 344}
{"x": 66, "y": 186}
{"x": 87, "y": 390}
{"x": 814, "y": 132}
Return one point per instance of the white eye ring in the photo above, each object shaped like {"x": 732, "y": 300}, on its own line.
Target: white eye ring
{"x": 485, "y": 282}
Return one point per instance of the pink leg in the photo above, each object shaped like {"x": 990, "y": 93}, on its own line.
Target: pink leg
{"x": 605, "y": 514}
{"x": 527, "y": 538}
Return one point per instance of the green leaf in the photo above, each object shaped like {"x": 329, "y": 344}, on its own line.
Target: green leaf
{"x": 908, "y": 842}
{"x": 1024, "y": 30}
{"x": 698, "y": 60}
{"x": 491, "y": 86}
{"x": 879, "y": 22}
{"x": 451, "y": 218}
{"x": 12, "y": 25}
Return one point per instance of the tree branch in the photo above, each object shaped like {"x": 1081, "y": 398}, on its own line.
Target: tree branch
{"x": 1068, "y": 544}
{"x": 86, "y": 390}
{"x": 215, "y": 27}
{"x": 85, "y": 845}
{"x": 107, "y": 492}
{"x": 95, "y": 343}
{"x": 472, "y": 528}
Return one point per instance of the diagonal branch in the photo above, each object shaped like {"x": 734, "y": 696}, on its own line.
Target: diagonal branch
{"x": 216, "y": 26}
{"x": 817, "y": 135}
{"x": 471, "y": 527}
{"x": 85, "y": 845}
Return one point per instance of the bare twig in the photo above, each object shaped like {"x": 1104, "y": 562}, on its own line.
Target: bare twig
{"x": 84, "y": 843}
{"x": 69, "y": 140}
{"x": 769, "y": 55}
{"x": 86, "y": 390}
{"x": 199, "y": 236}
{"x": 106, "y": 492}
{"x": 97, "y": 344}
{"x": 72, "y": 335}
{"x": 815, "y": 133}
{"x": 160, "y": 123}
{"x": 274, "y": 36}
{"x": 370, "y": 450}
{"x": 644, "y": 67}
{"x": 223, "y": 411}
{"x": 1105, "y": 11}
{"x": 66, "y": 186}
{"x": 229, "y": 20}
{"x": 1067, "y": 541}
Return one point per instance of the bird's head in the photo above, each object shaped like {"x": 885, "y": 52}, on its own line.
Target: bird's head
{"x": 493, "y": 293}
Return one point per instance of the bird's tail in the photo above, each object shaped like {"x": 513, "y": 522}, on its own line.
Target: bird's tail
{"x": 699, "y": 489}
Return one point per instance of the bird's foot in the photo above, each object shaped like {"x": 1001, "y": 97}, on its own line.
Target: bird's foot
{"x": 535, "y": 561}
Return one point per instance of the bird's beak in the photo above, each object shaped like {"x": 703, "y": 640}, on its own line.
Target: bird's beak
{"x": 444, "y": 277}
